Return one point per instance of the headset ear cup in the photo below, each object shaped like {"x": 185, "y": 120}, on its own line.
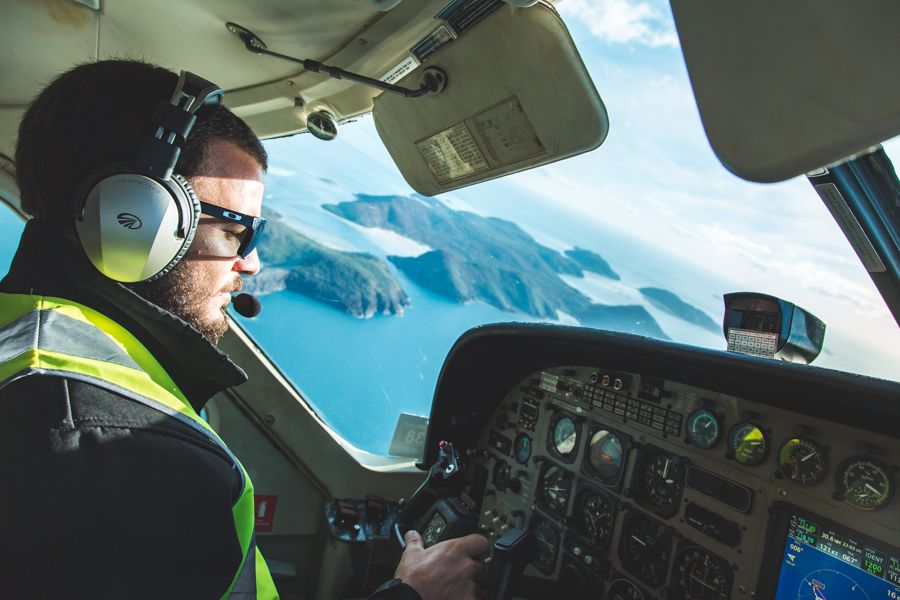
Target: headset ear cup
{"x": 189, "y": 209}
{"x": 132, "y": 226}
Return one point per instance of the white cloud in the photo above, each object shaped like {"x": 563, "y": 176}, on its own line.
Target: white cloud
{"x": 623, "y": 21}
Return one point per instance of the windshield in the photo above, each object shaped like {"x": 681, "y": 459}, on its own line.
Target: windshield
{"x": 367, "y": 285}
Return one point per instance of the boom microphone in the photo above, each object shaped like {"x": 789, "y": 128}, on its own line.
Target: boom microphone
{"x": 246, "y": 305}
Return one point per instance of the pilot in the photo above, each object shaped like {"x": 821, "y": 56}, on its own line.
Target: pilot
{"x": 112, "y": 485}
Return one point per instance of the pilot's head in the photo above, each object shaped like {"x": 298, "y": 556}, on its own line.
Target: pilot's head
{"x": 91, "y": 119}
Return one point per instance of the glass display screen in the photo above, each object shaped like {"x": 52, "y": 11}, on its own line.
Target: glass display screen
{"x": 822, "y": 563}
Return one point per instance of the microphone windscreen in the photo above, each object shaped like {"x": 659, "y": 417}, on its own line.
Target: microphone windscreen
{"x": 246, "y": 305}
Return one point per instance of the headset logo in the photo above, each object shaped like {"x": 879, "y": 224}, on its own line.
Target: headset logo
{"x": 129, "y": 221}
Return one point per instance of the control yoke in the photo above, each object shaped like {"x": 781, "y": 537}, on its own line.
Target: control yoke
{"x": 444, "y": 480}
{"x": 429, "y": 504}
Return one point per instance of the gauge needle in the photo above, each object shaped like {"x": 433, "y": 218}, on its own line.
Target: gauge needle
{"x": 807, "y": 457}
{"x": 639, "y": 541}
{"x": 875, "y": 491}
{"x": 701, "y": 582}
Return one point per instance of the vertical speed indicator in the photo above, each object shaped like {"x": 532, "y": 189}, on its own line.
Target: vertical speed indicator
{"x": 865, "y": 483}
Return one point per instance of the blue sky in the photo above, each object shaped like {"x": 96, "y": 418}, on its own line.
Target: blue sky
{"x": 655, "y": 189}
{"x": 657, "y": 173}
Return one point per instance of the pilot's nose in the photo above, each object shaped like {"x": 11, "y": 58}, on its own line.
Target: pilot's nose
{"x": 248, "y": 266}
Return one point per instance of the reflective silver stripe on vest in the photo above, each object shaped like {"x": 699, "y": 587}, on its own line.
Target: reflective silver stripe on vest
{"x": 52, "y": 330}
{"x": 245, "y": 583}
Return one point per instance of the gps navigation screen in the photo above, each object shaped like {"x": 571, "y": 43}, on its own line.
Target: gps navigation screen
{"x": 821, "y": 563}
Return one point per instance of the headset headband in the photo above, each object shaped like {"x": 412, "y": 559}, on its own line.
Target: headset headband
{"x": 158, "y": 153}
{"x": 135, "y": 222}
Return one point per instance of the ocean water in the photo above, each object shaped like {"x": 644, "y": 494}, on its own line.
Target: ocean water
{"x": 360, "y": 374}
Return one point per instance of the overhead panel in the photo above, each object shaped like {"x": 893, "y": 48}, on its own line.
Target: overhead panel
{"x": 518, "y": 96}
{"x": 786, "y": 87}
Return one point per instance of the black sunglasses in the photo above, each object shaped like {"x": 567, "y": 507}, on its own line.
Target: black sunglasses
{"x": 254, "y": 226}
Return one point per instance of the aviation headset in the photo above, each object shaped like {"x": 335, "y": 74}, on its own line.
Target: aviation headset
{"x": 135, "y": 222}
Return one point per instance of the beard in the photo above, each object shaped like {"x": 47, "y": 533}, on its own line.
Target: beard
{"x": 184, "y": 291}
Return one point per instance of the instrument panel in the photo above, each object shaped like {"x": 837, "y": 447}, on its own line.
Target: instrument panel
{"x": 638, "y": 486}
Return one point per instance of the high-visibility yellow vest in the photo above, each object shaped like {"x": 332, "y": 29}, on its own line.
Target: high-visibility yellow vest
{"x": 52, "y": 336}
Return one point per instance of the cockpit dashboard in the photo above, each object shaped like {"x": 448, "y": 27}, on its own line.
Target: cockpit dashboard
{"x": 646, "y": 469}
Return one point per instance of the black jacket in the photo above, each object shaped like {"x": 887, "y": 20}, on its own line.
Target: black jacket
{"x": 102, "y": 497}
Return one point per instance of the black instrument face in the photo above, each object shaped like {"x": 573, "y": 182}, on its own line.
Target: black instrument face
{"x": 661, "y": 482}
{"x": 644, "y": 549}
{"x": 522, "y": 448}
{"x": 865, "y": 483}
{"x": 700, "y": 575}
{"x": 668, "y": 489}
{"x": 703, "y": 428}
{"x": 803, "y": 461}
{"x": 547, "y": 538}
{"x": 622, "y": 589}
{"x": 606, "y": 456}
{"x": 748, "y": 444}
{"x": 500, "y": 475}
{"x": 594, "y": 514}
{"x": 555, "y": 489}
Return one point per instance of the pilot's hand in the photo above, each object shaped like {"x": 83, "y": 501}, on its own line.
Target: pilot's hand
{"x": 450, "y": 570}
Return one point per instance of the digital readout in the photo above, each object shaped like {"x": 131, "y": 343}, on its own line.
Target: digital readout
{"x": 876, "y": 562}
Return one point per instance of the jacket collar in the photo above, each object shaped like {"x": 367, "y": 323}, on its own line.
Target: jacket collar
{"x": 45, "y": 265}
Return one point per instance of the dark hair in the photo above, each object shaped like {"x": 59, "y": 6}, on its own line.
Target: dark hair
{"x": 92, "y": 117}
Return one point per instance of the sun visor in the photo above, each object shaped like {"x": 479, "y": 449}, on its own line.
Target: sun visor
{"x": 786, "y": 87}
{"x": 518, "y": 96}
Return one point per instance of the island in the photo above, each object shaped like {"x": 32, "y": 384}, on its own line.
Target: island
{"x": 593, "y": 262}
{"x": 675, "y": 306}
{"x": 353, "y": 282}
{"x": 492, "y": 260}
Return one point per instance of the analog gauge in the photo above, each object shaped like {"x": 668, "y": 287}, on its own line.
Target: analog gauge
{"x": 865, "y": 483}
{"x": 547, "y": 538}
{"x": 748, "y": 444}
{"x": 700, "y": 575}
{"x": 594, "y": 516}
{"x": 703, "y": 428}
{"x": 622, "y": 589}
{"x": 802, "y": 461}
{"x": 522, "y": 448}
{"x": 644, "y": 549}
{"x": 606, "y": 456}
{"x": 564, "y": 437}
{"x": 500, "y": 477}
{"x": 661, "y": 482}
{"x": 554, "y": 490}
